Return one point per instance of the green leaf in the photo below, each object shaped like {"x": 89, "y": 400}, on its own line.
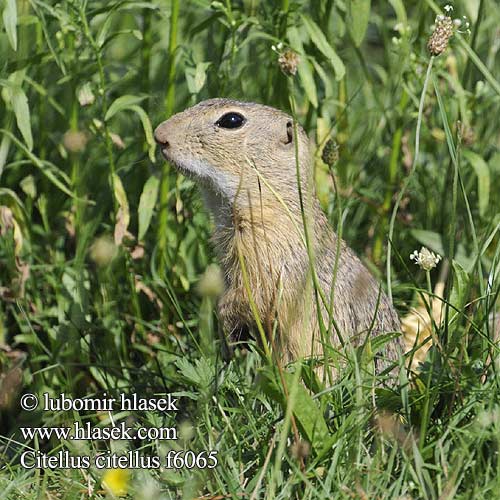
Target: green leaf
{"x": 483, "y": 179}
{"x": 148, "y": 130}
{"x": 139, "y": 5}
{"x": 304, "y": 69}
{"x": 325, "y": 78}
{"x": 200, "y": 374}
{"x": 430, "y": 239}
{"x": 28, "y": 185}
{"x": 495, "y": 163}
{"x": 21, "y": 227}
{"x": 54, "y": 174}
{"x": 22, "y": 113}
{"x": 14, "y": 94}
{"x": 147, "y": 203}
{"x": 458, "y": 298}
{"x": 119, "y": 192}
{"x": 129, "y": 102}
{"x": 12, "y": 200}
{"x": 479, "y": 64}
{"x": 9, "y": 17}
{"x": 123, "y": 102}
{"x": 197, "y": 77}
{"x": 308, "y": 415}
{"x": 307, "y": 80}
{"x": 358, "y": 15}
{"x": 458, "y": 295}
{"x": 103, "y": 32}
{"x": 4, "y": 152}
{"x": 57, "y": 177}
{"x": 123, "y": 215}
{"x": 319, "y": 39}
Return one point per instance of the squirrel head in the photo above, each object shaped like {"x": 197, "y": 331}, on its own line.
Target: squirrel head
{"x": 240, "y": 151}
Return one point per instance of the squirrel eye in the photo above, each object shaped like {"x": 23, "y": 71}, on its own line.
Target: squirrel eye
{"x": 231, "y": 120}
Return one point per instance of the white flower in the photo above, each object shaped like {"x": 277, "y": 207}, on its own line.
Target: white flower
{"x": 426, "y": 259}
{"x": 448, "y": 8}
{"x": 277, "y": 48}
{"x": 85, "y": 95}
{"x": 462, "y": 25}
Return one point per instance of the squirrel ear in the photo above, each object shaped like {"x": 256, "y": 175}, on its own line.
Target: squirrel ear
{"x": 288, "y": 139}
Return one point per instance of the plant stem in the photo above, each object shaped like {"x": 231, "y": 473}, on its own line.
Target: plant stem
{"x": 342, "y": 132}
{"x": 104, "y": 102}
{"x": 172, "y": 48}
{"x": 307, "y": 221}
{"x": 467, "y": 78}
{"x": 410, "y": 175}
{"x": 285, "y": 6}
{"x": 147, "y": 42}
{"x": 429, "y": 284}
{"x": 169, "y": 108}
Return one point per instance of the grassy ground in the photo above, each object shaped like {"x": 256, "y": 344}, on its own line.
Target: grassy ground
{"x": 102, "y": 245}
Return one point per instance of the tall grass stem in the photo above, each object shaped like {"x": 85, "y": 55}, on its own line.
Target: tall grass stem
{"x": 408, "y": 178}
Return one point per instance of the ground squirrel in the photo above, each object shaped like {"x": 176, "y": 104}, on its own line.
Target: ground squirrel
{"x": 243, "y": 157}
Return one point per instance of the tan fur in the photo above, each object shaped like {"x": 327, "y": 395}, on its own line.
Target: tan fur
{"x": 248, "y": 179}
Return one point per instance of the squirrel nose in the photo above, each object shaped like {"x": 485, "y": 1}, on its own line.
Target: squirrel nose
{"x": 161, "y": 137}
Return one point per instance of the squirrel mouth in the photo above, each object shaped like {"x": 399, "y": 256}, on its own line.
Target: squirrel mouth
{"x": 173, "y": 161}
{"x": 204, "y": 174}
{"x": 181, "y": 166}
{"x": 165, "y": 154}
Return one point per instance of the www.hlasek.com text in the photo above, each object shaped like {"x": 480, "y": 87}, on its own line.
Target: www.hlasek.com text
{"x": 86, "y": 432}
